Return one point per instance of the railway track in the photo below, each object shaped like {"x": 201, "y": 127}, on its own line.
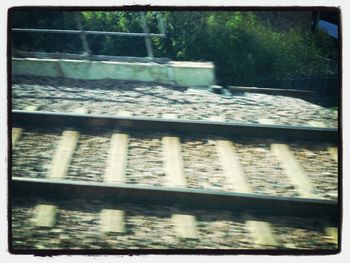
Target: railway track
{"x": 71, "y": 196}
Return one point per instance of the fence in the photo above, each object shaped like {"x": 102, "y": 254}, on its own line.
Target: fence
{"x": 324, "y": 84}
{"x": 325, "y": 88}
{"x": 83, "y": 33}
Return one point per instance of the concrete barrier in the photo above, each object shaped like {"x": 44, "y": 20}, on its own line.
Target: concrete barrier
{"x": 183, "y": 73}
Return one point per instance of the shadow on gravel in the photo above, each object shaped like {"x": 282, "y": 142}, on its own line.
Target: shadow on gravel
{"x": 105, "y": 84}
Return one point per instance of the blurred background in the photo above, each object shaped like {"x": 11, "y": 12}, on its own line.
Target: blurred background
{"x": 269, "y": 49}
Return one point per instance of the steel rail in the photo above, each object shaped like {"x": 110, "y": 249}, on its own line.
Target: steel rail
{"x": 271, "y": 91}
{"x": 44, "y": 119}
{"x": 254, "y": 204}
{"x": 69, "y": 31}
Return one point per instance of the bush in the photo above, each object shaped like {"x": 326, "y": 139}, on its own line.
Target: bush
{"x": 242, "y": 48}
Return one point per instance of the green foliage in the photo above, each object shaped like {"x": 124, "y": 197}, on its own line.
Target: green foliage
{"x": 242, "y": 47}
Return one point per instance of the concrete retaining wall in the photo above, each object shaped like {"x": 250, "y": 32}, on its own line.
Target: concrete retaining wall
{"x": 196, "y": 74}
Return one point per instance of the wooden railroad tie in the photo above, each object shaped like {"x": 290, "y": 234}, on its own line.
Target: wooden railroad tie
{"x": 44, "y": 215}
{"x": 117, "y": 159}
{"x": 17, "y": 132}
{"x": 113, "y": 220}
{"x": 293, "y": 170}
{"x": 173, "y": 164}
{"x": 231, "y": 166}
{"x": 261, "y": 231}
{"x": 266, "y": 121}
{"x": 185, "y": 225}
{"x": 333, "y": 151}
{"x": 297, "y": 174}
{"x": 64, "y": 152}
{"x": 332, "y": 234}
{"x": 291, "y": 166}
{"x": 63, "y": 155}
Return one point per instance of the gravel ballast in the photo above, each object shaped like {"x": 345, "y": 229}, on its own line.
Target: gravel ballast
{"x": 202, "y": 168}
{"x": 144, "y": 165}
{"x": 201, "y": 165}
{"x": 321, "y": 168}
{"x": 261, "y": 168}
{"x": 153, "y": 100}
{"x": 78, "y": 227}
{"x": 32, "y": 154}
{"x": 89, "y": 158}
{"x": 291, "y": 232}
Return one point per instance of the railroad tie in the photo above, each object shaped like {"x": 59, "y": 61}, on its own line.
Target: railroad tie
{"x": 63, "y": 155}
{"x": 293, "y": 170}
{"x": 64, "y": 152}
{"x": 290, "y": 165}
{"x": 16, "y": 135}
{"x": 217, "y": 118}
{"x": 298, "y": 176}
{"x": 317, "y": 124}
{"x": 44, "y": 215}
{"x": 118, "y": 155}
{"x": 185, "y": 225}
{"x": 331, "y": 232}
{"x": 113, "y": 220}
{"x": 333, "y": 151}
{"x": 266, "y": 121}
{"x": 173, "y": 164}
{"x": 124, "y": 113}
{"x": 17, "y": 132}
{"x": 234, "y": 175}
{"x": 117, "y": 159}
{"x": 261, "y": 231}
{"x": 231, "y": 166}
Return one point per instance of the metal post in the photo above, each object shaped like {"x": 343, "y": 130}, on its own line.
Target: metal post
{"x": 82, "y": 34}
{"x": 147, "y": 37}
{"x": 161, "y": 25}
